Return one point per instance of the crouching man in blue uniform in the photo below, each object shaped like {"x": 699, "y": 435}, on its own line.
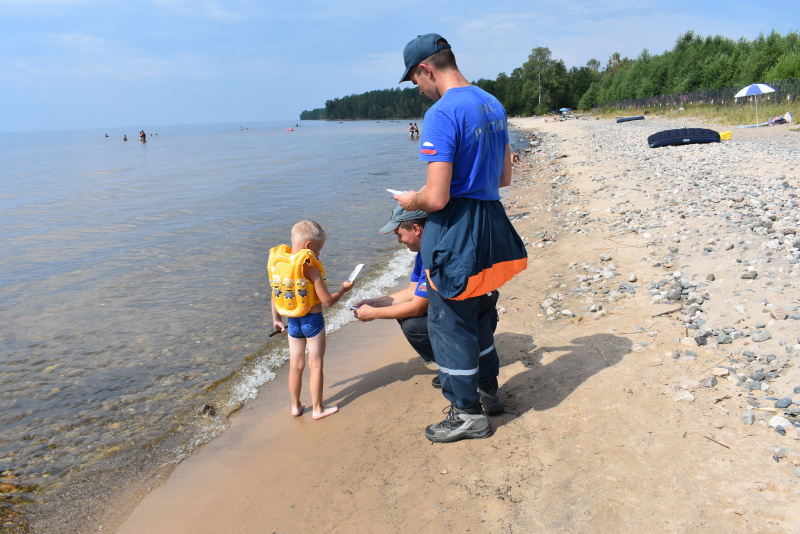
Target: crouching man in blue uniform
{"x": 409, "y": 306}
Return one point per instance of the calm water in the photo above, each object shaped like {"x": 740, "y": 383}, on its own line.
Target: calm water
{"x": 133, "y": 287}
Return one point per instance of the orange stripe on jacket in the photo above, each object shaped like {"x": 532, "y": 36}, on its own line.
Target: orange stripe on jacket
{"x": 489, "y": 279}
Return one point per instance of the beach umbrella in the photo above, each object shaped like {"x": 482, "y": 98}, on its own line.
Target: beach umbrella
{"x": 754, "y": 90}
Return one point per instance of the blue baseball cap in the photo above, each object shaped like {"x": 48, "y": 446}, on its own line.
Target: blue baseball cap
{"x": 400, "y": 215}
{"x": 421, "y": 48}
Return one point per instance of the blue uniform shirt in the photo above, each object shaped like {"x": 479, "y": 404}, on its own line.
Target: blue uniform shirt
{"x": 418, "y": 276}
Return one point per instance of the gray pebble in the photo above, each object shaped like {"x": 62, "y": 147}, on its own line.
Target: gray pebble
{"x": 761, "y": 335}
{"x": 748, "y": 418}
{"x": 783, "y": 403}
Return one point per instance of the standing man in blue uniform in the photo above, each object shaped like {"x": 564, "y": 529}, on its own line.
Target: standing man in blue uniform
{"x": 469, "y": 248}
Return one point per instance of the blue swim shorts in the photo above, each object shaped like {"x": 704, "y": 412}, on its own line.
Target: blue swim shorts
{"x": 307, "y": 326}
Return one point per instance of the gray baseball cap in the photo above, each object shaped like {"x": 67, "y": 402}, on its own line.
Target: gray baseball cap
{"x": 400, "y": 215}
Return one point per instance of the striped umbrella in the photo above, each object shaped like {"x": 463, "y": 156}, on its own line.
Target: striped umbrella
{"x": 754, "y": 90}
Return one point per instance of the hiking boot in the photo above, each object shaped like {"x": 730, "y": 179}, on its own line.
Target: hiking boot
{"x": 436, "y": 382}
{"x": 490, "y": 399}
{"x": 460, "y": 424}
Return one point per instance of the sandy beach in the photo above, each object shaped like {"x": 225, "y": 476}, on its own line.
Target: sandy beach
{"x": 643, "y": 354}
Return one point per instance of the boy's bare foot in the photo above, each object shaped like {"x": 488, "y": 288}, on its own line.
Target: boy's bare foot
{"x": 298, "y": 411}
{"x": 328, "y": 410}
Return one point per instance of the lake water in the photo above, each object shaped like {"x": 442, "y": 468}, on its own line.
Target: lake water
{"x": 133, "y": 288}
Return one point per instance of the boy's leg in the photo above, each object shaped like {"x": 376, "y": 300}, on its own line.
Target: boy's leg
{"x": 316, "y": 356}
{"x": 297, "y": 364}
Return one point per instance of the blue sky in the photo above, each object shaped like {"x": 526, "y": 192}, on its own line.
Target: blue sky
{"x": 69, "y": 64}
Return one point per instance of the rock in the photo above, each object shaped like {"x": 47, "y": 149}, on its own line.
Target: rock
{"x": 783, "y": 403}
{"x": 779, "y": 314}
{"x": 721, "y": 372}
{"x": 684, "y": 396}
{"x": 749, "y": 275}
{"x": 690, "y": 341}
{"x": 710, "y": 382}
{"x": 724, "y": 339}
{"x": 748, "y": 418}
{"x": 753, "y": 386}
{"x": 778, "y": 420}
{"x": 711, "y": 277}
{"x": 761, "y": 336}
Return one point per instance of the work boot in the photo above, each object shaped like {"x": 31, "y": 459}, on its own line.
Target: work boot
{"x": 460, "y": 424}
{"x": 490, "y": 398}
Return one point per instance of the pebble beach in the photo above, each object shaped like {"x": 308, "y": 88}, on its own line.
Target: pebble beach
{"x": 649, "y": 359}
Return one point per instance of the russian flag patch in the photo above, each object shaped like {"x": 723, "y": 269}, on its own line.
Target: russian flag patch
{"x": 428, "y": 148}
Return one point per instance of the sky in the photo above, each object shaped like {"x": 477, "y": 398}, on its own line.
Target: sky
{"x": 72, "y": 64}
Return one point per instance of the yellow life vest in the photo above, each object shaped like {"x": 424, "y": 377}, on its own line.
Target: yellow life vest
{"x": 292, "y": 292}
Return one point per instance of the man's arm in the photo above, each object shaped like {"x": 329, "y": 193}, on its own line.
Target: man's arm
{"x": 436, "y": 193}
{"x": 505, "y": 177}
{"x": 404, "y": 304}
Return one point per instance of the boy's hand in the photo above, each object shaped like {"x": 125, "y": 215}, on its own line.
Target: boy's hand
{"x": 278, "y": 326}
{"x": 347, "y": 286}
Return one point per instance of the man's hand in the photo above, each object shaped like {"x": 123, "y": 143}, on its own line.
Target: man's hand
{"x": 407, "y": 200}
{"x": 365, "y": 313}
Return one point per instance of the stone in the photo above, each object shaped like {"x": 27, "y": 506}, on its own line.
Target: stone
{"x": 779, "y": 313}
{"x": 778, "y": 420}
{"x": 748, "y": 418}
{"x": 684, "y": 396}
{"x": 749, "y": 275}
{"x": 783, "y": 403}
{"x": 710, "y": 382}
{"x": 761, "y": 336}
{"x": 690, "y": 341}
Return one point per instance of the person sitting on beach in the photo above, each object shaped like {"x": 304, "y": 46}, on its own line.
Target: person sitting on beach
{"x": 515, "y": 159}
{"x": 409, "y": 306}
{"x": 299, "y": 289}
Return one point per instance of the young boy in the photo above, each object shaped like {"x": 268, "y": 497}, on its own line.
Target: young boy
{"x": 299, "y": 289}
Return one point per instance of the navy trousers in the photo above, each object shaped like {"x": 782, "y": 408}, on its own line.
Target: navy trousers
{"x": 462, "y": 336}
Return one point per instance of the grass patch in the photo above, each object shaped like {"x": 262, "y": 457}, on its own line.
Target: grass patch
{"x": 729, "y": 115}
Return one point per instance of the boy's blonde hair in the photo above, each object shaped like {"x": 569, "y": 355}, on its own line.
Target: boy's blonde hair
{"x": 308, "y": 231}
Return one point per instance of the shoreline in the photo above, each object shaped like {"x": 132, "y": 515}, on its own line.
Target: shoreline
{"x": 611, "y": 418}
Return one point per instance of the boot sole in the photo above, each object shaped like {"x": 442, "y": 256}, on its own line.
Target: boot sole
{"x": 472, "y": 434}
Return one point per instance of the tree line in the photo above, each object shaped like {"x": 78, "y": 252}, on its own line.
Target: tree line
{"x": 543, "y": 84}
